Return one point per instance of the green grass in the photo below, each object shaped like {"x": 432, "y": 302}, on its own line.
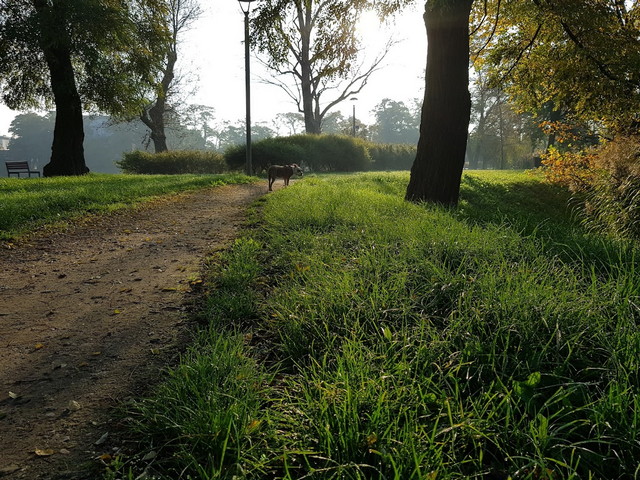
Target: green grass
{"x": 353, "y": 335}
{"x": 27, "y": 204}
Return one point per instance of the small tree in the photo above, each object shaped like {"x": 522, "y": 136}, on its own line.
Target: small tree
{"x": 180, "y": 16}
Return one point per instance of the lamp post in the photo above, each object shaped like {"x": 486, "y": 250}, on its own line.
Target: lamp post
{"x": 245, "y": 10}
{"x": 354, "y": 100}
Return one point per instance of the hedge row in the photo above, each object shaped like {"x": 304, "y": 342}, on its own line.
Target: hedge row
{"x": 317, "y": 153}
{"x": 324, "y": 153}
{"x": 172, "y": 162}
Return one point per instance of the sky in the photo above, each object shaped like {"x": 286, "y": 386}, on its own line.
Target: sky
{"x": 212, "y": 53}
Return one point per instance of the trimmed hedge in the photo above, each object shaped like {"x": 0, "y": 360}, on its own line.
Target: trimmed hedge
{"x": 172, "y": 162}
{"x": 323, "y": 153}
{"x": 333, "y": 153}
{"x": 270, "y": 151}
{"x": 387, "y": 156}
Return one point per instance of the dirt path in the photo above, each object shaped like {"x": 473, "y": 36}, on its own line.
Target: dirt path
{"x": 89, "y": 317}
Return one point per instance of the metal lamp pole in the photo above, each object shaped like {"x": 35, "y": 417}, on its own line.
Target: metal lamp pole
{"x": 354, "y": 99}
{"x": 248, "y": 166}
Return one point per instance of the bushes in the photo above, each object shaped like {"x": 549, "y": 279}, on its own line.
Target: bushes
{"x": 172, "y": 162}
{"x": 270, "y": 151}
{"x": 333, "y": 153}
{"x": 386, "y": 156}
{"x": 323, "y": 153}
{"x": 570, "y": 169}
{"x": 606, "y": 184}
{"x": 612, "y": 203}
{"x": 319, "y": 153}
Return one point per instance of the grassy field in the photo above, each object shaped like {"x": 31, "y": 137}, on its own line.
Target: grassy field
{"x": 28, "y": 203}
{"x": 352, "y": 335}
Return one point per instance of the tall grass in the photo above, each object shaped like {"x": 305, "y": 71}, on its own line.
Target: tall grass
{"x": 26, "y": 204}
{"x": 396, "y": 341}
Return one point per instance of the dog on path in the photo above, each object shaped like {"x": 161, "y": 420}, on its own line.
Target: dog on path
{"x": 285, "y": 172}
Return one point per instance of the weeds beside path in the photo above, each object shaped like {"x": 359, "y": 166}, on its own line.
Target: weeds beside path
{"x": 88, "y": 318}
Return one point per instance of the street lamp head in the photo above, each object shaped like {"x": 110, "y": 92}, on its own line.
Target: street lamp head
{"x": 245, "y": 5}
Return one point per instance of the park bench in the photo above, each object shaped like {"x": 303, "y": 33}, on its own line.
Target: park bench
{"x": 16, "y": 168}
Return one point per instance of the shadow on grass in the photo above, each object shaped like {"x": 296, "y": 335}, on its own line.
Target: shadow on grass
{"x": 542, "y": 211}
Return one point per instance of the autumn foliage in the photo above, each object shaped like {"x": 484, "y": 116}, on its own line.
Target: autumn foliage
{"x": 574, "y": 170}
{"x": 606, "y": 181}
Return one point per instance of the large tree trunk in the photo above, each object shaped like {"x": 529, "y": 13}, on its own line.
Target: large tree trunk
{"x": 67, "y": 151}
{"x": 437, "y": 169}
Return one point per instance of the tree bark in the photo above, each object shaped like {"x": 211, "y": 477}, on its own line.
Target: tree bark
{"x": 305, "y": 26}
{"x": 437, "y": 169}
{"x": 153, "y": 117}
{"x": 67, "y": 151}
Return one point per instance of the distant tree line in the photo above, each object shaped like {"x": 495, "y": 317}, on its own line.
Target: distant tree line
{"x": 499, "y": 137}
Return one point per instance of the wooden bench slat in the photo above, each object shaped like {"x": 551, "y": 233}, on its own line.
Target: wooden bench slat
{"x": 16, "y": 168}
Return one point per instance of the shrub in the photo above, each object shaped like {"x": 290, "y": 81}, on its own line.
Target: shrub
{"x": 319, "y": 153}
{"x": 270, "y": 151}
{"x": 391, "y": 157}
{"x": 333, "y": 153}
{"x": 612, "y": 203}
{"x": 570, "y": 169}
{"x": 172, "y": 162}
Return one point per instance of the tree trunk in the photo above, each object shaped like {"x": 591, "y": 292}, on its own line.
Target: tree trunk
{"x": 304, "y": 13}
{"x": 67, "y": 151}
{"x": 437, "y": 169}
{"x": 153, "y": 117}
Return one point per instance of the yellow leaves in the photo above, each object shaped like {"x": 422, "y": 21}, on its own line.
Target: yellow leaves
{"x": 573, "y": 170}
{"x": 44, "y": 452}
{"x": 38, "y": 346}
{"x": 106, "y": 458}
{"x": 253, "y": 425}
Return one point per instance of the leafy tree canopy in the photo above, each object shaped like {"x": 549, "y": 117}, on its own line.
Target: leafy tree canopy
{"x": 315, "y": 44}
{"x": 116, "y": 49}
{"x": 580, "y": 55}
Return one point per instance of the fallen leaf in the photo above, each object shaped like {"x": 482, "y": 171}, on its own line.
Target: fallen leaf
{"x": 38, "y": 346}
{"x": 73, "y": 405}
{"x": 44, "y": 452}
{"x": 15, "y": 396}
{"x": 9, "y": 469}
{"x": 116, "y": 311}
{"x": 149, "y": 456}
{"x": 106, "y": 458}
{"x": 64, "y": 451}
{"x": 102, "y": 439}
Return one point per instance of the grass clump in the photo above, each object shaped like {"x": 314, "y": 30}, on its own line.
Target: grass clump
{"x": 27, "y": 204}
{"x": 398, "y": 341}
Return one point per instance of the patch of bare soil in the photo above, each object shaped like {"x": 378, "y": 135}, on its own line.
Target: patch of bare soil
{"x": 90, "y": 316}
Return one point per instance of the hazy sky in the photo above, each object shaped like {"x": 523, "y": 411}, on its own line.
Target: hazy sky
{"x": 213, "y": 51}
